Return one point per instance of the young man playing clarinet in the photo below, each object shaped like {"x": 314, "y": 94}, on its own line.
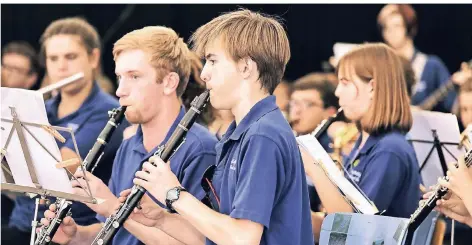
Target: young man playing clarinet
{"x": 258, "y": 182}
{"x": 153, "y": 68}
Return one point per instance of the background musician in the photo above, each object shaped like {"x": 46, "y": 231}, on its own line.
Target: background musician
{"x": 20, "y": 67}
{"x": 398, "y": 25}
{"x": 69, "y": 46}
{"x": 381, "y": 156}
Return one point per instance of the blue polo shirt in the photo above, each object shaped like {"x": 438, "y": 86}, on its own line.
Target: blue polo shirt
{"x": 188, "y": 164}
{"x": 87, "y": 123}
{"x": 434, "y": 75}
{"x": 387, "y": 171}
{"x": 260, "y": 176}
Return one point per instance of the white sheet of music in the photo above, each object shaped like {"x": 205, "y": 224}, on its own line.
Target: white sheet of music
{"x": 29, "y": 106}
{"x": 447, "y": 129}
{"x": 311, "y": 145}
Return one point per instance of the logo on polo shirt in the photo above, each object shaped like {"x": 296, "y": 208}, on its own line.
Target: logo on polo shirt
{"x": 233, "y": 164}
{"x": 73, "y": 126}
{"x": 355, "y": 175}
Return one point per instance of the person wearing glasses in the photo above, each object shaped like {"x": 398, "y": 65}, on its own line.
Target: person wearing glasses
{"x": 19, "y": 70}
{"x": 258, "y": 181}
{"x": 153, "y": 66}
{"x": 312, "y": 100}
{"x": 20, "y": 65}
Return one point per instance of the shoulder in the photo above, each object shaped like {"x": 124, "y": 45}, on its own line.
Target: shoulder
{"x": 273, "y": 126}
{"x": 274, "y": 130}
{"x": 200, "y": 138}
{"x": 435, "y": 62}
{"x": 104, "y": 102}
{"x": 127, "y": 144}
{"x": 395, "y": 145}
{"x": 392, "y": 141}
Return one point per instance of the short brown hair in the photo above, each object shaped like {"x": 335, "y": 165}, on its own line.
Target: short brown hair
{"x": 71, "y": 26}
{"x": 166, "y": 49}
{"x": 249, "y": 34}
{"x": 321, "y": 83}
{"x": 390, "y": 107}
{"x": 25, "y": 49}
{"x": 407, "y": 13}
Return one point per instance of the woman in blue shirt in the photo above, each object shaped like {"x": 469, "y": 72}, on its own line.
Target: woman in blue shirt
{"x": 373, "y": 94}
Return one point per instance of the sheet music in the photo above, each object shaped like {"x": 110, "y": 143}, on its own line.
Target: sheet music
{"x": 340, "y": 49}
{"x": 360, "y": 229}
{"x": 30, "y": 108}
{"x": 447, "y": 130}
{"x": 311, "y": 145}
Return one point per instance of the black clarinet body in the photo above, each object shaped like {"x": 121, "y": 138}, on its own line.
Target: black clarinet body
{"x": 116, "y": 220}
{"x": 63, "y": 207}
{"x": 429, "y": 204}
{"x": 324, "y": 125}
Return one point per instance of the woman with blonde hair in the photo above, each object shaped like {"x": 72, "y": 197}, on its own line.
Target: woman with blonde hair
{"x": 372, "y": 92}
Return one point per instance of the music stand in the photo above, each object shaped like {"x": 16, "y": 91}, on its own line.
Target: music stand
{"x": 434, "y": 132}
{"x": 30, "y": 158}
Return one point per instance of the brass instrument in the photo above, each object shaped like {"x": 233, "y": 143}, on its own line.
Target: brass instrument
{"x": 342, "y": 137}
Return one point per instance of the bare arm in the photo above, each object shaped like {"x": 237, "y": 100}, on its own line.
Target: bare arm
{"x": 149, "y": 235}
{"x": 329, "y": 194}
{"x": 152, "y": 223}
{"x": 85, "y": 234}
{"x": 220, "y": 228}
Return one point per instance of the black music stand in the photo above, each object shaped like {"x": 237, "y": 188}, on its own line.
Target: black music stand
{"x": 435, "y": 137}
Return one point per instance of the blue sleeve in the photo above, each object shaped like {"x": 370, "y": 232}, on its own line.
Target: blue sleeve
{"x": 193, "y": 174}
{"x": 258, "y": 180}
{"x": 442, "y": 76}
{"x": 88, "y": 134}
{"x": 382, "y": 178}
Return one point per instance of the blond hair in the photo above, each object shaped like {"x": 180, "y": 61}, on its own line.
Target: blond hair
{"x": 390, "y": 107}
{"x": 166, "y": 50}
{"x": 249, "y": 34}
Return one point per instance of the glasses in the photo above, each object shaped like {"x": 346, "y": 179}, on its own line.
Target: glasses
{"x": 303, "y": 104}
{"x": 211, "y": 198}
{"x": 18, "y": 70}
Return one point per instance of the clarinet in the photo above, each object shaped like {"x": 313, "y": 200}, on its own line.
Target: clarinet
{"x": 324, "y": 125}
{"x": 116, "y": 220}
{"x": 90, "y": 162}
{"x": 428, "y": 205}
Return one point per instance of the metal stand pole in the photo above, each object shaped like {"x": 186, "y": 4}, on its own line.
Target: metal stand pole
{"x": 34, "y": 223}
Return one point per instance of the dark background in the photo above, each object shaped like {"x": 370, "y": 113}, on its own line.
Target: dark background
{"x": 444, "y": 30}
